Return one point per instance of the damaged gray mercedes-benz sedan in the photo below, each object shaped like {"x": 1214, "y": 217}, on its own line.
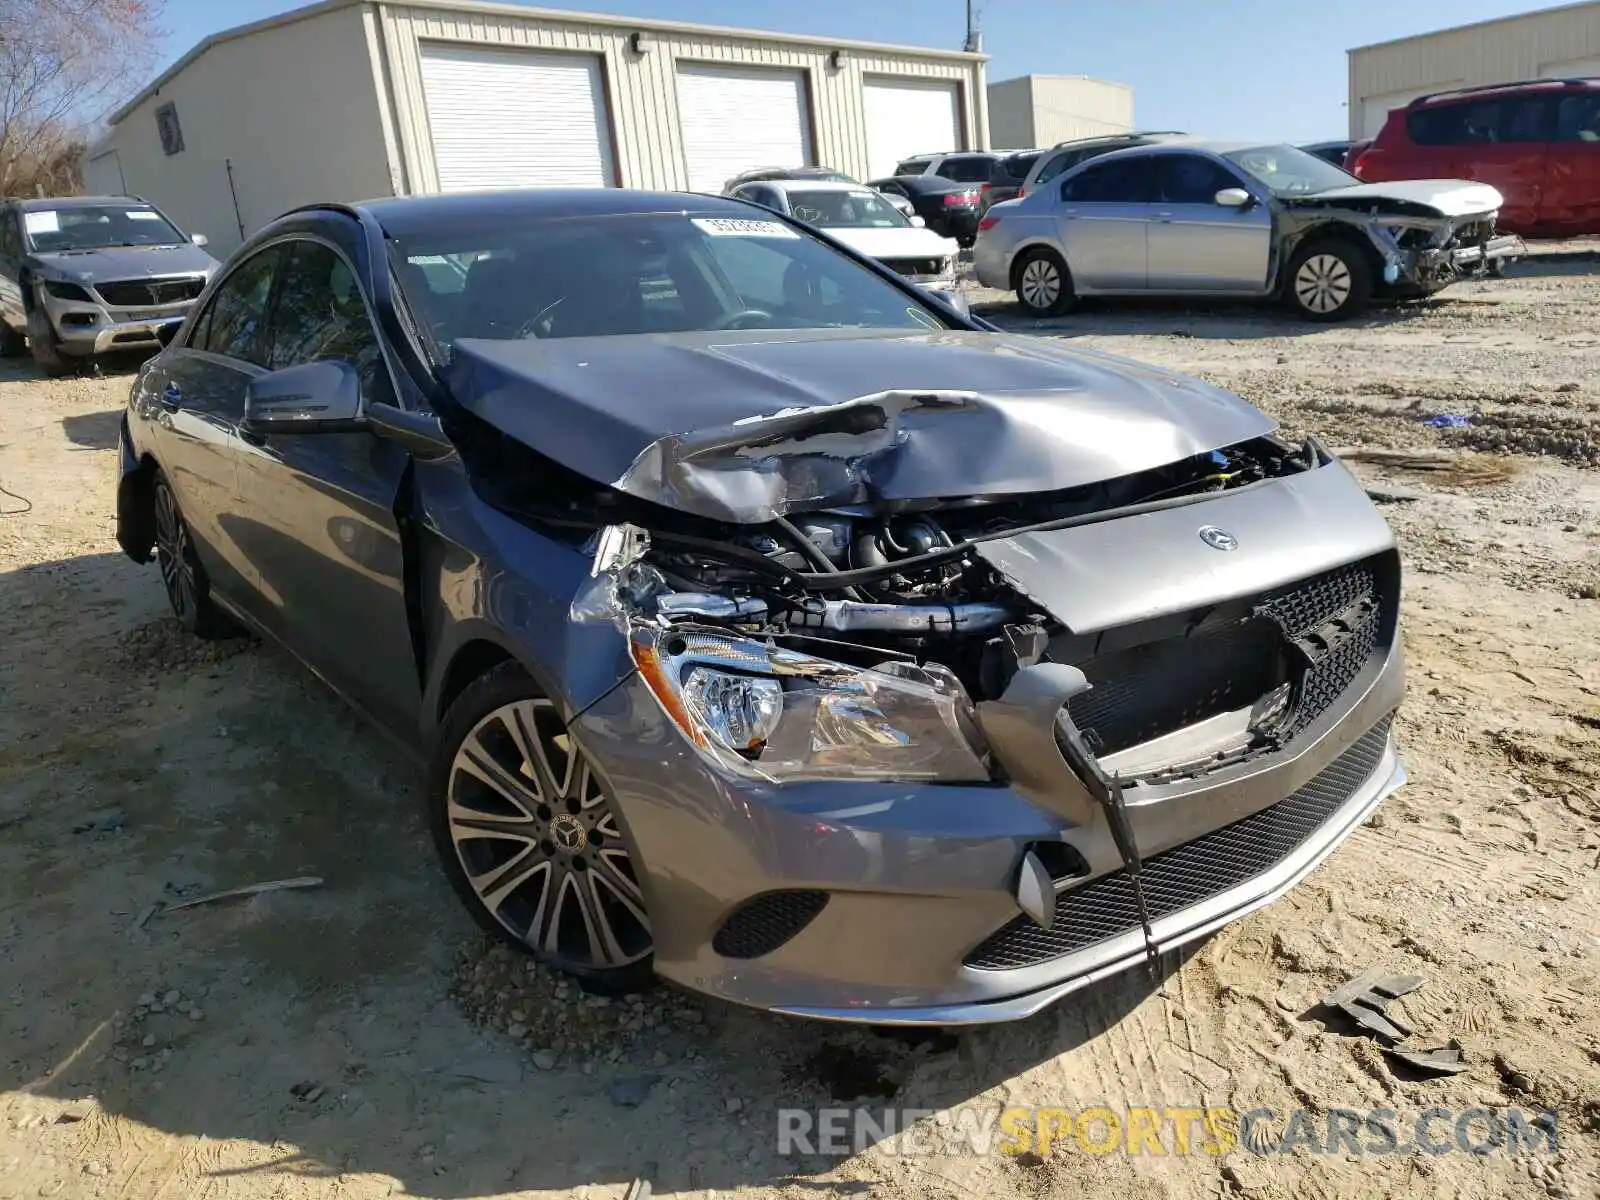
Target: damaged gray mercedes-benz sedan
{"x": 768, "y": 625}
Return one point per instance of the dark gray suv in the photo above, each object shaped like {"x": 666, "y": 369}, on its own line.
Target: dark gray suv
{"x": 82, "y": 275}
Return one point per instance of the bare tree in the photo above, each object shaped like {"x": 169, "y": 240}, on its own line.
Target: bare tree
{"x": 63, "y": 63}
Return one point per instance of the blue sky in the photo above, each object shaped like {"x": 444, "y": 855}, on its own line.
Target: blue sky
{"x": 1229, "y": 68}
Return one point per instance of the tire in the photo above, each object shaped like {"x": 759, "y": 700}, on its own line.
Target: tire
{"x": 1328, "y": 280}
{"x": 188, "y": 588}
{"x": 42, "y": 345}
{"x": 1042, "y": 282}
{"x": 12, "y": 343}
{"x": 571, "y": 898}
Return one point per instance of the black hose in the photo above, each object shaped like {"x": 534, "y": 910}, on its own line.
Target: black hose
{"x": 811, "y": 551}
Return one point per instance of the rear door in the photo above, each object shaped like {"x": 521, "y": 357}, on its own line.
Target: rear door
{"x": 198, "y": 390}
{"x": 1501, "y": 141}
{"x": 322, "y": 535}
{"x": 11, "y": 269}
{"x": 1571, "y": 201}
{"x": 1195, "y": 244}
{"x": 1102, "y": 216}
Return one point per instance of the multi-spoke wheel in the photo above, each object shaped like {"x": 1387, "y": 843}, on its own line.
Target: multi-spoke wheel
{"x": 188, "y": 589}
{"x": 1328, "y": 281}
{"x": 530, "y": 839}
{"x": 1042, "y": 282}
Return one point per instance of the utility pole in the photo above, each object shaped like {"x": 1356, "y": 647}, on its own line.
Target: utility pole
{"x": 974, "y": 43}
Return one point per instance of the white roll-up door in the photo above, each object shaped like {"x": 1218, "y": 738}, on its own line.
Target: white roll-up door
{"x": 514, "y": 118}
{"x": 735, "y": 118}
{"x": 906, "y": 117}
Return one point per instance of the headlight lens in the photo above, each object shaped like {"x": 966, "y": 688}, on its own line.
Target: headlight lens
{"x": 764, "y": 711}
{"x": 66, "y": 291}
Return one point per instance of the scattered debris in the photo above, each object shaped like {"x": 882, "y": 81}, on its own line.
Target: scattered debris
{"x": 639, "y": 1189}
{"x": 1392, "y": 495}
{"x": 1365, "y": 1000}
{"x": 1459, "y": 468}
{"x": 1448, "y": 421}
{"x": 1442, "y": 1060}
{"x": 308, "y": 1090}
{"x": 250, "y": 889}
{"x": 106, "y": 824}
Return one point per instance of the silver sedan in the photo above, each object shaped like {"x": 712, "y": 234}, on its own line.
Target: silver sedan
{"x": 1199, "y": 218}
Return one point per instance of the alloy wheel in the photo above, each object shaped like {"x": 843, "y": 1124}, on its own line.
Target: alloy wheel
{"x": 1323, "y": 283}
{"x": 539, "y": 843}
{"x": 1040, "y": 284}
{"x": 174, "y": 555}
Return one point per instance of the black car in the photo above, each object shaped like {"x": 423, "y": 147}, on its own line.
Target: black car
{"x": 1009, "y": 175}
{"x": 1336, "y": 152}
{"x": 949, "y": 208}
{"x": 1063, "y": 156}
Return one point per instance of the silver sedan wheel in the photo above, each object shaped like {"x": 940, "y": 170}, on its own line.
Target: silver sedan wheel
{"x": 1040, "y": 284}
{"x": 539, "y": 843}
{"x": 1322, "y": 284}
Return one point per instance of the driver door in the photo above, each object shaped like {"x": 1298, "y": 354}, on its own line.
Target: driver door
{"x": 318, "y": 521}
{"x": 1196, "y": 244}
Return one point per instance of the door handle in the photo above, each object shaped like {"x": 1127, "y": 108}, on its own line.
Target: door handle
{"x": 172, "y": 397}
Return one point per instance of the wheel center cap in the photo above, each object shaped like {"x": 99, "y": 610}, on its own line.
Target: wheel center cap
{"x": 567, "y": 832}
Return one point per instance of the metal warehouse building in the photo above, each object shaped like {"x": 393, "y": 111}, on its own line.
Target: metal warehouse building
{"x": 1041, "y": 110}
{"x": 355, "y": 99}
{"x": 1553, "y": 43}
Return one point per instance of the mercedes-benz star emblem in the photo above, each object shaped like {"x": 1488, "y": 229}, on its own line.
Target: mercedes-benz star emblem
{"x": 1218, "y": 539}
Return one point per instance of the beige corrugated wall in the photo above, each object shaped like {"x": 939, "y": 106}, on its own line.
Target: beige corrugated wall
{"x": 641, "y": 89}
{"x": 1528, "y": 46}
{"x": 292, "y": 108}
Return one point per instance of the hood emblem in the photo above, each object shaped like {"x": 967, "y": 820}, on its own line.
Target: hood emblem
{"x": 1218, "y": 539}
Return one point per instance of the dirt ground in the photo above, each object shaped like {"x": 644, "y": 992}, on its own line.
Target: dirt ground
{"x": 356, "y": 1039}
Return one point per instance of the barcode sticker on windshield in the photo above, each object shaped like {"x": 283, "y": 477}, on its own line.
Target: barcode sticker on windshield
{"x": 141, "y": 214}
{"x": 734, "y": 227}
{"x": 44, "y": 221}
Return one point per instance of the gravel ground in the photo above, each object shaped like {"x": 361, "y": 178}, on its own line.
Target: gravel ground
{"x": 357, "y": 1039}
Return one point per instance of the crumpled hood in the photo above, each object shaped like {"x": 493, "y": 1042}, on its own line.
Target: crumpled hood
{"x": 1447, "y": 197}
{"x": 745, "y": 426}
{"x": 124, "y": 262}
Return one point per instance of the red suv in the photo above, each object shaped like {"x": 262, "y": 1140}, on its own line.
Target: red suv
{"x": 1537, "y": 142}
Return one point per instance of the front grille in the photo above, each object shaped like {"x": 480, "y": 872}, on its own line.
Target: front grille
{"x": 149, "y": 293}
{"x": 1317, "y": 633}
{"x": 761, "y": 925}
{"x": 914, "y": 266}
{"x": 1188, "y": 874}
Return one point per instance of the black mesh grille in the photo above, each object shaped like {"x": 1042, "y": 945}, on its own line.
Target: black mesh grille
{"x": 1157, "y": 687}
{"x": 761, "y": 925}
{"x": 1186, "y": 874}
{"x": 147, "y": 293}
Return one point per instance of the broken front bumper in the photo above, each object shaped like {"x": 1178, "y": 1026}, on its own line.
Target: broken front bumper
{"x": 1464, "y": 258}
{"x": 883, "y": 902}
{"x": 84, "y": 327}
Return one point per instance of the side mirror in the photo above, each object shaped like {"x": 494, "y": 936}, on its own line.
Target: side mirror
{"x": 314, "y": 397}
{"x": 199, "y": 239}
{"x": 1233, "y": 198}
{"x": 165, "y": 333}
{"x": 918, "y": 223}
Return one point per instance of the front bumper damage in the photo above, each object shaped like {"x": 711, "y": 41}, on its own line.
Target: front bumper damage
{"x": 85, "y": 327}
{"x": 1421, "y": 253}
{"x": 982, "y": 902}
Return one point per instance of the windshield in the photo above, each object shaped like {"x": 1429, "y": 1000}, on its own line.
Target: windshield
{"x": 1289, "y": 171}
{"x": 658, "y": 273}
{"x": 861, "y": 208}
{"x": 91, "y": 227}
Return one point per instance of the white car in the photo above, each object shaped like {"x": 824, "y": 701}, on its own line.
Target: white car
{"x": 865, "y": 221}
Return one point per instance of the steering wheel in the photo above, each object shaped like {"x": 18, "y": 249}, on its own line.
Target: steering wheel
{"x": 736, "y": 320}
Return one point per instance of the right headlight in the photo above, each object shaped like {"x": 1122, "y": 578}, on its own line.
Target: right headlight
{"x": 764, "y": 711}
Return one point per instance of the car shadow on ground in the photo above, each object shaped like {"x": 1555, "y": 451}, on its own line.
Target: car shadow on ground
{"x": 142, "y": 767}
{"x": 1231, "y": 321}
{"x": 93, "y": 431}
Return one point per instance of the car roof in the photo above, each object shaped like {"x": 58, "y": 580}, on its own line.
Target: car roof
{"x": 814, "y": 185}
{"x": 403, "y": 214}
{"x": 1204, "y": 145}
{"x": 1133, "y": 135}
{"x": 1586, "y": 83}
{"x": 35, "y": 204}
